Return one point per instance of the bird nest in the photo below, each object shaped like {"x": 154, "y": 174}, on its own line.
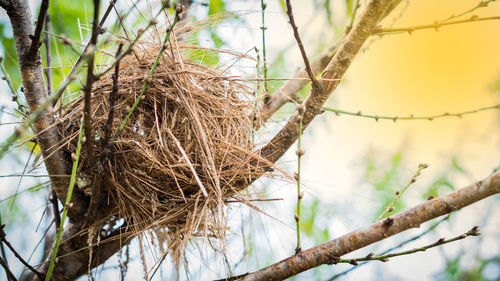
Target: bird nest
{"x": 182, "y": 153}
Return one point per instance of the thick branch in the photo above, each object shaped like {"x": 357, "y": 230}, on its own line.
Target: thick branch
{"x": 328, "y": 252}
{"x": 36, "y": 94}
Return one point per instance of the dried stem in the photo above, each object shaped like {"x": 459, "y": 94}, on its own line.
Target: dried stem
{"x": 309, "y": 71}
{"x": 330, "y": 251}
{"x": 390, "y": 207}
{"x": 411, "y": 117}
{"x": 385, "y": 258}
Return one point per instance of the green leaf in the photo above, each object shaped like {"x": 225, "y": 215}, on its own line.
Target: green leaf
{"x": 216, "y": 6}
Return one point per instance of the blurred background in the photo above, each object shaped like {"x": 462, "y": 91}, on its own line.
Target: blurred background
{"x": 352, "y": 165}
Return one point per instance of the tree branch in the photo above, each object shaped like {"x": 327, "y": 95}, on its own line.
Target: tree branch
{"x": 73, "y": 255}
{"x": 35, "y": 41}
{"x": 335, "y": 70}
{"x": 289, "y": 90}
{"x": 36, "y": 95}
{"x": 329, "y": 252}
{"x": 309, "y": 71}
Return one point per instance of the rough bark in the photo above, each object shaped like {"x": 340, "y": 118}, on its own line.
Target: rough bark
{"x": 327, "y": 252}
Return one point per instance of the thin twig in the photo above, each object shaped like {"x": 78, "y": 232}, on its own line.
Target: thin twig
{"x": 55, "y": 97}
{"x": 48, "y": 57}
{"x": 435, "y": 25}
{"x": 263, "y": 27}
{"x": 410, "y": 117}
{"x": 390, "y": 207}
{"x": 385, "y": 258}
{"x": 300, "y": 153}
{"x": 55, "y": 208}
{"x": 87, "y": 95}
{"x": 112, "y": 102}
{"x": 129, "y": 48}
{"x": 20, "y": 107}
{"x": 4, "y": 255}
{"x": 35, "y": 43}
{"x": 431, "y": 228}
{"x": 327, "y": 252}
{"x": 18, "y": 256}
{"x": 96, "y": 197}
{"x": 353, "y": 17}
{"x": 9, "y": 273}
{"x": 309, "y": 71}
{"x": 481, "y": 4}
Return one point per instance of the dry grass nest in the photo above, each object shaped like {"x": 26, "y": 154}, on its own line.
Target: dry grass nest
{"x": 182, "y": 153}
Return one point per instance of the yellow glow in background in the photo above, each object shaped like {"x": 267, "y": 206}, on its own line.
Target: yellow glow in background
{"x": 427, "y": 73}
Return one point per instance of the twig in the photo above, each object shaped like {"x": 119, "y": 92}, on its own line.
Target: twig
{"x": 309, "y": 71}
{"x": 390, "y": 207}
{"x": 263, "y": 27}
{"x": 151, "y": 72}
{"x": 9, "y": 273}
{"x": 128, "y": 50}
{"x": 410, "y": 117}
{"x": 47, "y": 137}
{"x": 336, "y": 69}
{"x": 299, "y": 153}
{"x": 7, "y": 243}
{"x": 35, "y": 43}
{"x": 55, "y": 97}
{"x": 328, "y": 252}
{"x": 353, "y": 17}
{"x": 112, "y": 101}
{"x": 97, "y": 189}
{"x": 15, "y": 97}
{"x": 4, "y": 255}
{"x": 22, "y": 175}
{"x": 435, "y": 25}
{"x": 55, "y": 208}
{"x": 67, "y": 205}
{"x": 48, "y": 57}
{"x": 385, "y": 258}
{"x": 431, "y": 228}
{"x": 481, "y": 4}
{"x": 87, "y": 95}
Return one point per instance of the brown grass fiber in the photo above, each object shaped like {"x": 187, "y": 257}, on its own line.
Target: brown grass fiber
{"x": 192, "y": 123}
